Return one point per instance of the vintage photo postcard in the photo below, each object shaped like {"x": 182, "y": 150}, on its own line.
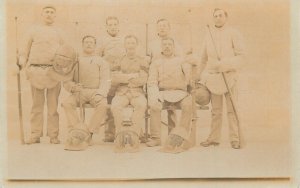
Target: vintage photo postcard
{"x": 131, "y": 90}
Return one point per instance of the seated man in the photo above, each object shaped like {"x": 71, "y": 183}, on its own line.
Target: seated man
{"x": 167, "y": 84}
{"x": 90, "y": 83}
{"x": 131, "y": 78}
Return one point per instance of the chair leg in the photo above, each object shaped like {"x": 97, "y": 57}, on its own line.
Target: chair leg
{"x": 146, "y": 124}
{"x": 193, "y": 129}
{"x": 83, "y": 114}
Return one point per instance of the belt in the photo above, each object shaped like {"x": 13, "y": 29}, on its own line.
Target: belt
{"x": 162, "y": 89}
{"x": 41, "y": 65}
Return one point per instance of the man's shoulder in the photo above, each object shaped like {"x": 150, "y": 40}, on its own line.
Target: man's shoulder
{"x": 232, "y": 30}
{"x": 96, "y": 59}
{"x": 107, "y": 38}
{"x": 35, "y": 28}
{"x": 41, "y": 29}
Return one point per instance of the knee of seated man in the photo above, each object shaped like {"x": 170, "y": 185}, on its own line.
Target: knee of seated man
{"x": 155, "y": 107}
{"x": 100, "y": 101}
{"x": 217, "y": 111}
{"x": 115, "y": 107}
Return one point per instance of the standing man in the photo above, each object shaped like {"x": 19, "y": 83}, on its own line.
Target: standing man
{"x": 223, "y": 52}
{"x": 112, "y": 50}
{"x": 168, "y": 81}
{"x": 37, "y": 55}
{"x": 90, "y": 83}
{"x": 131, "y": 77}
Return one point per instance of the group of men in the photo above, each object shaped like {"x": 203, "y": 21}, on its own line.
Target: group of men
{"x": 116, "y": 74}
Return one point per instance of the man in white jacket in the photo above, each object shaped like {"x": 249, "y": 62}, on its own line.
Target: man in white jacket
{"x": 223, "y": 52}
{"x": 169, "y": 77}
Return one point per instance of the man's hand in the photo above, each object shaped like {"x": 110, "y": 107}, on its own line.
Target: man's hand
{"x": 77, "y": 88}
{"x": 133, "y": 76}
{"x": 97, "y": 97}
{"x": 161, "y": 99}
{"x": 21, "y": 62}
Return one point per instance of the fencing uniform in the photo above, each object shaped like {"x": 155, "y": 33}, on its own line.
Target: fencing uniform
{"x": 168, "y": 79}
{"x": 230, "y": 49}
{"x": 155, "y": 52}
{"x": 131, "y": 78}
{"x": 94, "y": 75}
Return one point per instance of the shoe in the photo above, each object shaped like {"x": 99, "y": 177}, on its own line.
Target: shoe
{"x": 153, "y": 142}
{"x": 235, "y": 145}
{"x": 209, "y": 143}
{"x": 34, "y": 141}
{"x": 109, "y": 138}
{"x": 143, "y": 140}
{"x": 54, "y": 140}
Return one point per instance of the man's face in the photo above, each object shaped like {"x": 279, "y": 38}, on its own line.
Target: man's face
{"x": 130, "y": 44}
{"x": 89, "y": 45}
{"x": 167, "y": 47}
{"x": 112, "y": 27}
{"x": 163, "y": 28}
{"x": 48, "y": 15}
{"x": 220, "y": 18}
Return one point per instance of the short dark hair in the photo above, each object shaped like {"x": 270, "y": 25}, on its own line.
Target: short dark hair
{"x": 163, "y": 20}
{"x": 111, "y": 18}
{"x": 217, "y": 9}
{"x": 49, "y": 6}
{"x": 131, "y": 36}
{"x": 89, "y": 36}
{"x": 168, "y": 38}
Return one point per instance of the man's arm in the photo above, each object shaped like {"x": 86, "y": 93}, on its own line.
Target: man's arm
{"x": 25, "y": 48}
{"x": 118, "y": 77}
{"x": 70, "y": 85}
{"x": 187, "y": 70}
{"x": 105, "y": 79}
{"x": 143, "y": 75}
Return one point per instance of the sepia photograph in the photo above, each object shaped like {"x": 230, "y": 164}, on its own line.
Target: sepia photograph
{"x": 148, "y": 90}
